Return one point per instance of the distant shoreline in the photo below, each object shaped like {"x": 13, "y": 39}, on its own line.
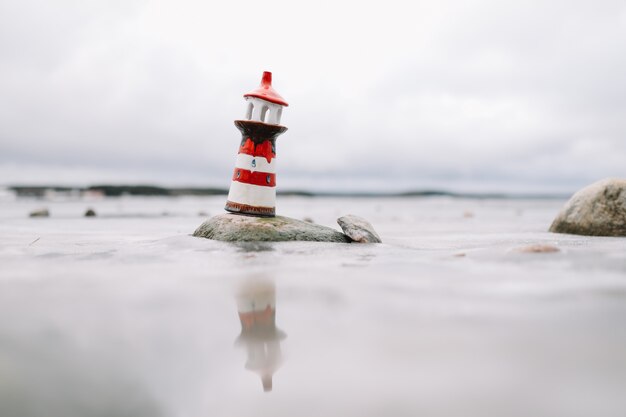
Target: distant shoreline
{"x": 107, "y": 190}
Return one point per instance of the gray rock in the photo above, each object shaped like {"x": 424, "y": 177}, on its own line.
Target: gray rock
{"x": 241, "y": 228}
{"x": 42, "y": 212}
{"x": 597, "y": 210}
{"x": 90, "y": 213}
{"x": 358, "y": 229}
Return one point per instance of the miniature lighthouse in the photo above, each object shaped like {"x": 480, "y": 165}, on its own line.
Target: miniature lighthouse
{"x": 253, "y": 187}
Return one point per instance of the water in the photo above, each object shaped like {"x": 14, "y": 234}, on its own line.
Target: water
{"x": 126, "y": 314}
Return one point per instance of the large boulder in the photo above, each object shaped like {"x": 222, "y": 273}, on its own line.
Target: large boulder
{"x": 242, "y": 228}
{"x": 597, "y": 210}
{"x": 358, "y": 229}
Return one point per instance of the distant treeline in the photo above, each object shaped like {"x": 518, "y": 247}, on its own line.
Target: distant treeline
{"x": 151, "y": 190}
{"x": 115, "y": 190}
{"x": 118, "y": 190}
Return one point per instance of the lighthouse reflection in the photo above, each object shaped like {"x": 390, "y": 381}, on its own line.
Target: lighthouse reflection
{"x": 256, "y": 305}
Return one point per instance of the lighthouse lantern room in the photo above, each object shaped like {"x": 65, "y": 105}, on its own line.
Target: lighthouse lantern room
{"x": 253, "y": 186}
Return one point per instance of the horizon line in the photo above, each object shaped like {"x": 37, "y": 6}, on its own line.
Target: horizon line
{"x": 113, "y": 190}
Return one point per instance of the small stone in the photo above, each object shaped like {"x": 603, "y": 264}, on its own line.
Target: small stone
{"x": 597, "y": 210}
{"x": 90, "y": 213}
{"x": 42, "y": 212}
{"x": 203, "y": 214}
{"x": 358, "y": 229}
{"x": 241, "y": 228}
{"x": 308, "y": 219}
{"x": 538, "y": 248}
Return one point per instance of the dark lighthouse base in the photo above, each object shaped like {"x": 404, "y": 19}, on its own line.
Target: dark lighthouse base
{"x": 250, "y": 210}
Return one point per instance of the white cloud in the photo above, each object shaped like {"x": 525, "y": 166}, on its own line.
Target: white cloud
{"x": 523, "y": 95}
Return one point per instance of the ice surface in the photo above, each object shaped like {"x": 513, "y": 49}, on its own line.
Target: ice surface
{"x": 126, "y": 314}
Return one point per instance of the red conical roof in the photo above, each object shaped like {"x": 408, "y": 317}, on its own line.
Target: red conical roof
{"x": 266, "y": 92}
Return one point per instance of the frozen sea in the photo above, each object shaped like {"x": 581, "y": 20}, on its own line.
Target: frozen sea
{"x": 127, "y": 314}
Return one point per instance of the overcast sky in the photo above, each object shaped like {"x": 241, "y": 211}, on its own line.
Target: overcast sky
{"x": 392, "y": 95}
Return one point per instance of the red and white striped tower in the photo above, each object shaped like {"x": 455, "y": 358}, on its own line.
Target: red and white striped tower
{"x": 253, "y": 187}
